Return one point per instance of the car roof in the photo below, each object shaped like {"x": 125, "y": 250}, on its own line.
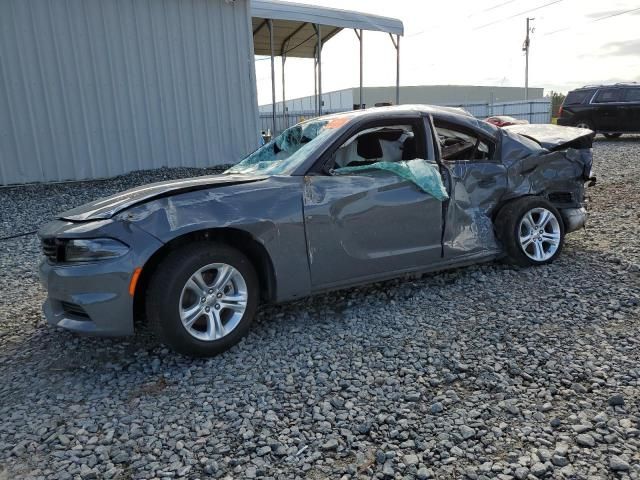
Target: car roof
{"x": 448, "y": 114}
{"x": 609, "y": 85}
{"x": 394, "y": 109}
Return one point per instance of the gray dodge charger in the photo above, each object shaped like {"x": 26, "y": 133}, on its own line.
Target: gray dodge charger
{"x": 332, "y": 202}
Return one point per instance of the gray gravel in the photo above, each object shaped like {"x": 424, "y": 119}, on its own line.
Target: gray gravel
{"x": 483, "y": 372}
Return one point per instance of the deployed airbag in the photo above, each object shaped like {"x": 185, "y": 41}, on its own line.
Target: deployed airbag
{"x": 424, "y": 174}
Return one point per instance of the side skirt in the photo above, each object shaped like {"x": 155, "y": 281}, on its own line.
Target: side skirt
{"x": 462, "y": 261}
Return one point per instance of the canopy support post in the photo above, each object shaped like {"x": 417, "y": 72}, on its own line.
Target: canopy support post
{"x": 318, "y": 29}
{"x": 285, "y": 124}
{"x": 273, "y": 80}
{"x": 283, "y": 53}
{"x": 396, "y": 44}
{"x": 360, "y": 38}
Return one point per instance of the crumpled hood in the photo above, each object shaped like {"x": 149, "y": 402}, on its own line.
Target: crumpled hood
{"x": 555, "y": 137}
{"x": 104, "y": 208}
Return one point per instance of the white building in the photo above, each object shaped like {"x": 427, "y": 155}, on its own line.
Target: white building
{"x": 348, "y": 99}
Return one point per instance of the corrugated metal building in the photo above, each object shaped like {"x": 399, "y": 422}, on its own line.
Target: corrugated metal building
{"x": 96, "y": 88}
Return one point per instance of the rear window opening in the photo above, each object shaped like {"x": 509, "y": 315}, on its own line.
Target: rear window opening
{"x": 578, "y": 96}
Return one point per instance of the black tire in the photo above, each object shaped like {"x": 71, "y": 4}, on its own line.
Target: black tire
{"x": 612, "y": 135}
{"x": 509, "y": 225}
{"x": 164, "y": 296}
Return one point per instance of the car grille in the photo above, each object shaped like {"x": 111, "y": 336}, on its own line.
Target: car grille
{"x": 51, "y": 249}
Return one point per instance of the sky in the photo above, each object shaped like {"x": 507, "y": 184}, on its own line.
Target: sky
{"x": 465, "y": 42}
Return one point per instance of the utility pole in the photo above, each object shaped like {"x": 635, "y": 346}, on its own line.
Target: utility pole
{"x": 525, "y": 48}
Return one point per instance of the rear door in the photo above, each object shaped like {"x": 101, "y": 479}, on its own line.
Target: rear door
{"x": 607, "y": 112}
{"x": 478, "y": 179}
{"x": 370, "y": 223}
{"x": 631, "y": 108}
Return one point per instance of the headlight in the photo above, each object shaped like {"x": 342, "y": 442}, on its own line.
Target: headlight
{"x": 93, "y": 249}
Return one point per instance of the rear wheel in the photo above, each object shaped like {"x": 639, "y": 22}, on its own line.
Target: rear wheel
{"x": 202, "y": 298}
{"x": 531, "y": 231}
{"x": 584, "y": 124}
{"x": 612, "y": 135}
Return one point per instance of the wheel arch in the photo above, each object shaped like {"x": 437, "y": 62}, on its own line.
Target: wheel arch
{"x": 233, "y": 237}
{"x": 504, "y": 203}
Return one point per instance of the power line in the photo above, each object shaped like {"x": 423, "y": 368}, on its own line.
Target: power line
{"x": 473, "y": 14}
{"x": 494, "y": 7}
{"x": 516, "y": 15}
{"x": 617, "y": 14}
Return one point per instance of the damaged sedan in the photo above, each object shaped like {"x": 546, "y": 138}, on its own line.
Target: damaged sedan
{"x": 332, "y": 202}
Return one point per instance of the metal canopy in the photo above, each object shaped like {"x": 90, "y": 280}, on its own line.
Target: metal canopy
{"x": 296, "y": 30}
{"x": 293, "y": 23}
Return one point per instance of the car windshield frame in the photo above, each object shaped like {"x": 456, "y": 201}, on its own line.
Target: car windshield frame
{"x": 292, "y": 149}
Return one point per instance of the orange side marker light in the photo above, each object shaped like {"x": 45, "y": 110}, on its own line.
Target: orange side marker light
{"x": 134, "y": 281}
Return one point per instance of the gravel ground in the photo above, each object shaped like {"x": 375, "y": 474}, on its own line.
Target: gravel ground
{"x": 482, "y": 372}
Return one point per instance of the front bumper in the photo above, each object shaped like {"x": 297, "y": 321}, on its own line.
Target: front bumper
{"x": 93, "y": 298}
{"x": 89, "y": 299}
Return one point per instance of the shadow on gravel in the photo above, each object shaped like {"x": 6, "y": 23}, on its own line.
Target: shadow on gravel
{"x": 622, "y": 139}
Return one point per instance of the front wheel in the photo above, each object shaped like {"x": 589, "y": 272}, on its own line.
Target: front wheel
{"x": 531, "y": 231}
{"x": 202, "y": 298}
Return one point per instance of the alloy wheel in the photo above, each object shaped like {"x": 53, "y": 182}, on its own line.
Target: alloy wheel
{"x": 213, "y": 301}
{"x": 539, "y": 234}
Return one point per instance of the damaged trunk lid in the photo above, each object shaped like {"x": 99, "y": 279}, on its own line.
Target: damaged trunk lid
{"x": 548, "y": 160}
{"x": 555, "y": 137}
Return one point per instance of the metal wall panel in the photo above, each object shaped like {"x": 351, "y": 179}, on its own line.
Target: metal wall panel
{"x": 96, "y": 88}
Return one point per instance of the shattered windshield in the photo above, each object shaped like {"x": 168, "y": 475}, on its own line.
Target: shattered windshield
{"x": 285, "y": 153}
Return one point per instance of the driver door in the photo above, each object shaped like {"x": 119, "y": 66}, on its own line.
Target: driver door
{"x": 371, "y": 223}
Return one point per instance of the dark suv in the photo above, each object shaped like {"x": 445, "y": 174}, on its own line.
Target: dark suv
{"x": 608, "y": 109}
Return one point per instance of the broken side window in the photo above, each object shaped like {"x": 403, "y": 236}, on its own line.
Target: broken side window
{"x": 393, "y": 148}
{"x": 393, "y": 143}
{"x": 423, "y": 173}
{"x": 459, "y": 144}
